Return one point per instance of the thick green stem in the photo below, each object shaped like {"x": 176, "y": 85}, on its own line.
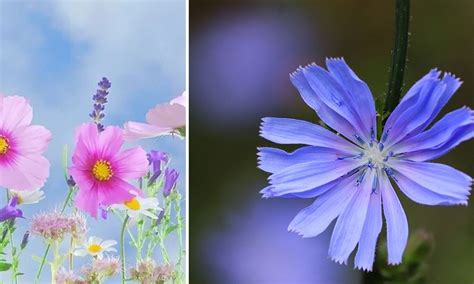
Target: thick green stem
{"x": 399, "y": 55}
{"x": 122, "y": 247}
{"x": 45, "y": 255}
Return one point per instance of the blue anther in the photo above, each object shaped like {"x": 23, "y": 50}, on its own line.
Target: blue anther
{"x": 381, "y": 146}
{"x": 361, "y": 178}
{"x": 359, "y": 139}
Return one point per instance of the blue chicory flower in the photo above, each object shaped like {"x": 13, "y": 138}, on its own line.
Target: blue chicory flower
{"x": 350, "y": 173}
{"x": 171, "y": 177}
{"x": 157, "y": 160}
{"x": 10, "y": 211}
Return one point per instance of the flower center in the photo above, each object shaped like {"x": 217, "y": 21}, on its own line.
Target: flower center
{"x": 102, "y": 170}
{"x": 3, "y": 145}
{"x": 376, "y": 155}
{"x": 19, "y": 199}
{"x": 132, "y": 204}
{"x": 94, "y": 248}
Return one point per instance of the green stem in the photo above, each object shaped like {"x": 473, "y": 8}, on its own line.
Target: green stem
{"x": 399, "y": 55}
{"x": 13, "y": 250}
{"x": 180, "y": 227}
{"x": 122, "y": 247}
{"x": 45, "y": 255}
{"x": 14, "y": 257}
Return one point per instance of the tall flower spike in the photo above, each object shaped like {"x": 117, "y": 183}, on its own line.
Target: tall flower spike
{"x": 350, "y": 173}
{"x": 100, "y": 99}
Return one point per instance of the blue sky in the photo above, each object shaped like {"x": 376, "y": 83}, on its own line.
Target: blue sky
{"x": 54, "y": 53}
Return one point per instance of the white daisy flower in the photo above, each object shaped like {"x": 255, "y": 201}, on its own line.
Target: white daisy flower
{"x": 26, "y": 196}
{"x": 139, "y": 205}
{"x": 95, "y": 246}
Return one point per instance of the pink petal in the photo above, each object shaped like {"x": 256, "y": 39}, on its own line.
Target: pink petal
{"x": 166, "y": 115}
{"x": 15, "y": 112}
{"x": 115, "y": 191}
{"x": 137, "y": 130}
{"x": 110, "y": 142}
{"x": 32, "y": 139}
{"x": 181, "y": 100}
{"x": 25, "y": 172}
{"x": 130, "y": 164}
{"x": 83, "y": 177}
{"x": 87, "y": 200}
{"x": 88, "y": 134}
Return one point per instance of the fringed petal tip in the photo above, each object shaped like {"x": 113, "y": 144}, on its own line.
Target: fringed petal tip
{"x": 300, "y": 69}
{"x": 267, "y": 192}
{"x": 393, "y": 263}
{"x": 363, "y": 268}
{"x": 293, "y": 228}
{"x": 338, "y": 260}
{"x": 335, "y": 59}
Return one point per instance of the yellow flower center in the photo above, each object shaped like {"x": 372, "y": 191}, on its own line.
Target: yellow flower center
{"x": 133, "y": 204}
{"x": 19, "y": 199}
{"x": 102, "y": 170}
{"x": 94, "y": 248}
{"x": 3, "y": 145}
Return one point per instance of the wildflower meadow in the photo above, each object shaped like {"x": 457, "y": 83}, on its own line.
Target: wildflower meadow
{"x": 105, "y": 179}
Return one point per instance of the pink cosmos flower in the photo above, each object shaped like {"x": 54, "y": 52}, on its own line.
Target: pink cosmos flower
{"x": 100, "y": 169}
{"x": 22, "y": 164}
{"x": 163, "y": 119}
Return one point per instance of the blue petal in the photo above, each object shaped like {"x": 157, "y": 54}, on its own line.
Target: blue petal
{"x": 358, "y": 91}
{"x": 307, "y": 176}
{"x": 440, "y": 179}
{"x": 440, "y": 133}
{"x": 310, "y": 193}
{"x": 415, "y": 111}
{"x": 294, "y": 131}
{"x": 420, "y": 106}
{"x": 461, "y": 134}
{"x": 421, "y": 194}
{"x": 314, "y": 219}
{"x": 452, "y": 84}
{"x": 368, "y": 241}
{"x": 397, "y": 224}
{"x": 273, "y": 160}
{"x": 334, "y": 96}
{"x": 350, "y": 223}
{"x": 325, "y": 113}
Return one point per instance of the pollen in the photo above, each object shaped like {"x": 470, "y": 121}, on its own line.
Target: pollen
{"x": 3, "y": 145}
{"x": 102, "y": 170}
{"x": 94, "y": 248}
{"x": 132, "y": 204}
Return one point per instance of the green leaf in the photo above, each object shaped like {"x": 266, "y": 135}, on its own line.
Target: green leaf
{"x": 4, "y": 266}
{"x": 170, "y": 229}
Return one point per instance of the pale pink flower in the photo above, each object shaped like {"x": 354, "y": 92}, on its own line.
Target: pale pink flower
{"x": 22, "y": 164}
{"x": 53, "y": 226}
{"x": 163, "y": 119}
{"x": 101, "y": 268}
{"x": 64, "y": 276}
{"x": 148, "y": 272}
{"x": 100, "y": 169}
